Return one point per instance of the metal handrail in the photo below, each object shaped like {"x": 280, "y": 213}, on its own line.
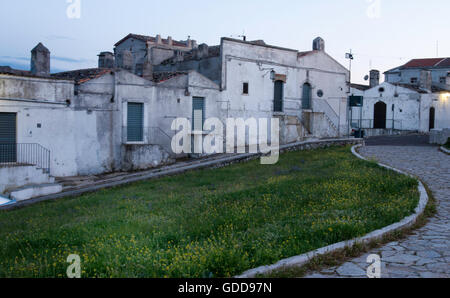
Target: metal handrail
{"x": 370, "y": 123}
{"x": 147, "y": 135}
{"x": 322, "y": 105}
{"x": 15, "y": 154}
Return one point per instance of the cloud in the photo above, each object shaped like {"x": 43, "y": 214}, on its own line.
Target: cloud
{"x": 62, "y": 63}
{"x": 70, "y": 60}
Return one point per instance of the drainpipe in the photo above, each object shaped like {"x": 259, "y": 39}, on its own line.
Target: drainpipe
{"x": 111, "y": 128}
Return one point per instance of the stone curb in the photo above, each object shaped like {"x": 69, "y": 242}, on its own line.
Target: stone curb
{"x": 303, "y": 259}
{"x": 445, "y": 150}
{"x": 228, "y": 160}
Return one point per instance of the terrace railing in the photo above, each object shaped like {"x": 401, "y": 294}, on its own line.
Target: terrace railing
{"x": 25, "y": 154}
{"x": 370, "y": 124}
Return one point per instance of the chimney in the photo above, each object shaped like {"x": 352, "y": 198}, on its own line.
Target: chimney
{"x": 40, "y": 61}
{"x": 106, "y": 60}
{"x": 425, "y": 80}
{"x": 147, "y": 68}
{"x": 202, "y": 51}
{"x": 374, "y": 78}
{"x": 178, "y": 56}
{"x": 319, "y": 44}
{"x": 194, "y": 44}
{"x": 170, "y": 41}
{"x": 158, "y": 39}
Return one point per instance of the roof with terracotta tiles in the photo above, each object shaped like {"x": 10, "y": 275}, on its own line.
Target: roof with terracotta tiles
{"x": 159, "y": 77}
{"x": 427, "y": 63}
{"x": 82, "y": 75}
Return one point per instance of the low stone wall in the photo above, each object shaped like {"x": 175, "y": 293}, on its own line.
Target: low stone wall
{"x": 439, "y": 136}
{"x": 374, "y": 132}
{"x": 12, "y": 177}
{"x": 177, "y": 170}
{"x": 143, "y": 157}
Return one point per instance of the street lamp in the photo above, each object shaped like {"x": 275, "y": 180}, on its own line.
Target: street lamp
{"x": 349, "y": 56}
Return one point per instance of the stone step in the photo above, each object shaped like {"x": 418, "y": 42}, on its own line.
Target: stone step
{"x": 34, "y": 190}
{"x": 6, "y": 201}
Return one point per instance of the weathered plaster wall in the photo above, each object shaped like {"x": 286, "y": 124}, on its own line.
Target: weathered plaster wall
{"x": 242, "y": 62}
{"x": 409, "y": 109}
{"x": 405, "y": 75}
{"x": 209, "y": 67}
{"x": 34, "y": 88}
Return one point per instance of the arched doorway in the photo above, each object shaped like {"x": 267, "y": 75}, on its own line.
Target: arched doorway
{"x": 379, "y": 117}
{"x": 432, "y": 118}
{"x": 306, "y": 97}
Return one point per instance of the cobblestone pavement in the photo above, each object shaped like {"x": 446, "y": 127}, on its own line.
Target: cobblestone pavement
{"x": 426, "y": 252}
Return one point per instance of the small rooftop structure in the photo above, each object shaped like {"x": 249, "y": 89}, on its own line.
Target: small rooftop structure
{"x": 82, "y": 75}
{"x": 169, "y": 41}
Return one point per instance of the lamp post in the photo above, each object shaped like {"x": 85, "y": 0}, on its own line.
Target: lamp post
{"x": 349, "y": 56}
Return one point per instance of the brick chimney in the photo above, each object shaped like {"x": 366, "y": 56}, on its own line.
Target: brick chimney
{"x": 374, "y": 78}
{"x": 40, "y": 61}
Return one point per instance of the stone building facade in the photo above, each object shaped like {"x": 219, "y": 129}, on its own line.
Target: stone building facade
{"x": 119, "y": 116}
{"x": 396, "y": 107}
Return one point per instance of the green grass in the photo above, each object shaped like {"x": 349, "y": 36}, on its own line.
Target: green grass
{"x": 208, "y": 223}
{"x": 447, "y": 145}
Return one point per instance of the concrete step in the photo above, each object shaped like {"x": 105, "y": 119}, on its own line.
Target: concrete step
{"x": 35, "y": 190}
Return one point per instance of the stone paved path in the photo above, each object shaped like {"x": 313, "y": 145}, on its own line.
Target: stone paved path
{"x": 425, "y": 253}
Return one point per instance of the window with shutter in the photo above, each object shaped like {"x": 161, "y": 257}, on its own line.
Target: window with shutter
{"x": 198, "y": 113}
{"x": 278, "y": 98}
{"x": 135, "y": 123}
{"x": 8, "y": 137}
{"x": 306, "y": 97}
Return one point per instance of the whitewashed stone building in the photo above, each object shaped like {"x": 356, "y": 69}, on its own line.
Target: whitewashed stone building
{"x": 118, "y": 116}
{"x": 398, "y": 107}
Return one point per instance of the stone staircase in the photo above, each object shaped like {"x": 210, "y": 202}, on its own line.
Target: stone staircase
{"x": 23, "y": 182}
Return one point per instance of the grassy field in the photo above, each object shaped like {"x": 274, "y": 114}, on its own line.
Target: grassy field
{"x": 209, "y": 223}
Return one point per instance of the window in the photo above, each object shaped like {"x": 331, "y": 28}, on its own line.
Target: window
{"x": 135, "y": 122}
{"x": 306, "y": 97}
{"x": 245, "y": 88}
{"x": 8, "y": 140}
{"x": 442, "y": 80}
{"x": 278, "y": 97}
{"x": 198, "y": 113}
{"x": 414, "y": 80}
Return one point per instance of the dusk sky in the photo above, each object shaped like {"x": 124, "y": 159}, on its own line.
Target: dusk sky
{"x": 382, "y": 33}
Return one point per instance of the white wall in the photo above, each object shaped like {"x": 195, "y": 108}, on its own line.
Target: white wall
{"x": 243, "y": 62}
{"x": 411, "y": 108}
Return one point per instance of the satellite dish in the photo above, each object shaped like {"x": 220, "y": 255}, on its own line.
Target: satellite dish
{"x": 366, "y": 78}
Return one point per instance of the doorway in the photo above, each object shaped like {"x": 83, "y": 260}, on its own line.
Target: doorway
{"x": 432, "y": 118}
{"x": 379, "y": 118}
{"x": 8, "y": 141}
